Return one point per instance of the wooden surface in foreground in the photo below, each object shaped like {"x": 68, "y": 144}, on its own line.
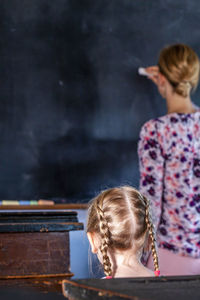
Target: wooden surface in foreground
{"x": 149, "y": 288}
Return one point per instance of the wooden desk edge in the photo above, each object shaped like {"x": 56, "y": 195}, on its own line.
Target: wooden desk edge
{"x": 100, "y": 292}
{"x": 37, "y": 207}
{"x": 41, "y": 276}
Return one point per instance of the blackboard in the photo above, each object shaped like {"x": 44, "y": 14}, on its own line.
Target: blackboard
{"x": 71, "y": 101}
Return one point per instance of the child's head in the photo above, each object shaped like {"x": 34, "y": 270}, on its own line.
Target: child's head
{"x": 180, "y": 65}
{"x": 120, "y": 218}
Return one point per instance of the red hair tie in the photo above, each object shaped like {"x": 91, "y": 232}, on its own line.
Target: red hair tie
{"x": 108, "y": 277}
{"x": 157, "y": 273}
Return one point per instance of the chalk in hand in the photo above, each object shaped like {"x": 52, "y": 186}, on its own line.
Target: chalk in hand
{"x": 143, "y": 72}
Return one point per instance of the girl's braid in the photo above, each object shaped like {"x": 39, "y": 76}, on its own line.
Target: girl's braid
{"x": 152, "y": 235}
{"x": 105, "y": 235}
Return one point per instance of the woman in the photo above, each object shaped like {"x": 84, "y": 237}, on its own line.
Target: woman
{"x": 169, "y": 158}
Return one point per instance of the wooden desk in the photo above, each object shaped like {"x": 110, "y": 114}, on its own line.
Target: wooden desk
{"x": 34, "y": 245}
{"x": 149, "y": 288}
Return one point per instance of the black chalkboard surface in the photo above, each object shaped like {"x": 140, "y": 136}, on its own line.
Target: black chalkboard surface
{"x": 71, "y": 101}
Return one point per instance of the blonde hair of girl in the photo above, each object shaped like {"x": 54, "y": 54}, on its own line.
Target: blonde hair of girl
{"x": 180, "y": 65}
{"x": 121, "y": 218}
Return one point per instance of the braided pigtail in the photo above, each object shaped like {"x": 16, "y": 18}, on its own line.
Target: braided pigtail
{"x": 105, "y": 236}
{"x": 152, "y": 235}
{"x": 120, "y": 218}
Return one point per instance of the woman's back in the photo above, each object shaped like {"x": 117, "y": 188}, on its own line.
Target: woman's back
{"x": 171, "y": 146}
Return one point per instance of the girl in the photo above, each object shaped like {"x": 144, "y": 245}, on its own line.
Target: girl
{"x": 118, "y": 226}
{"x": 169, "y": 157}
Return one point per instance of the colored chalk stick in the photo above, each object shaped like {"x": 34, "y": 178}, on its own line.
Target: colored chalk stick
{"x": 10, "y": 202}
{"x": 33, "y": 202}
{"x": 24, "y": 202}
{"x": 45, "y": 202}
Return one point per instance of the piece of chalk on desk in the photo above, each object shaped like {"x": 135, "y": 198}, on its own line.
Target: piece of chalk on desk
{"x": 33, "y": 202}
{"x": 10, "y": 202}
{"x": 45, "y": 202}
{"x": 24, "y": 202}
{"x": 143, "y": 72}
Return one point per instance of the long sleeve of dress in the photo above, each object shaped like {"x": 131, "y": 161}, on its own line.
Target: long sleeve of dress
{"x": 151, "y": 164}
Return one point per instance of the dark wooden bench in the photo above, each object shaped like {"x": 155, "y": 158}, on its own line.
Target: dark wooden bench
{"x": 151, "y": 288}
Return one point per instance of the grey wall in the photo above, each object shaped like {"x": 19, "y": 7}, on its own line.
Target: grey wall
{"x": 83, "y": 263}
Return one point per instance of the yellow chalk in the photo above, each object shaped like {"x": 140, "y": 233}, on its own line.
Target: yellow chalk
{"x": 10, "y": 202}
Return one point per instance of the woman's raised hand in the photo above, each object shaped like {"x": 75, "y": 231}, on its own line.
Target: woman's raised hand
{"x": 153, "y": 72}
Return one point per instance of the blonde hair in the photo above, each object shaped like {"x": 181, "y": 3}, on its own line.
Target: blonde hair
{"x": 180, "y": 65}
{"x": 122, "y": 219}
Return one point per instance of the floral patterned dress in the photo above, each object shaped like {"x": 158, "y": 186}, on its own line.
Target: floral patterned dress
{"x": 169, "y": 159}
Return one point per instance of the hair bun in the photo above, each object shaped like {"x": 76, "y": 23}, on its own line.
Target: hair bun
{"x": 180, "y": 65}
{"x": 183, "y": 88}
